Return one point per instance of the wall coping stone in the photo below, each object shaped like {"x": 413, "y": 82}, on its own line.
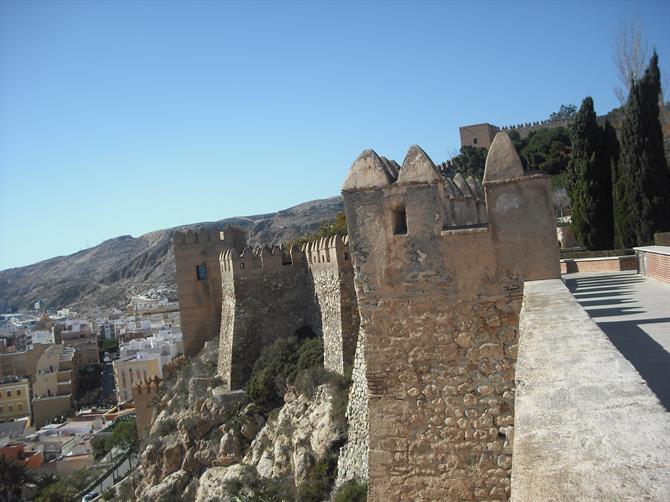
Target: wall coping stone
{"x": 664, "y": 250}
{"x": 598, "y": 258}
{"x": 587, "y": 427}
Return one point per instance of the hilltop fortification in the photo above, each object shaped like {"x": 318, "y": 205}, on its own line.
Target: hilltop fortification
{"x": 422, "y": 299}
{"x": 199, "y": 281}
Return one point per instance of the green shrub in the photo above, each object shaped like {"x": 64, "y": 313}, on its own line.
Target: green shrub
{"x": 261, "y": 490}
{"x": 352, "y": 491}
{"x": 101, "y": 446}
{"x": 328, "y": 228}
{"x": 310, "y": 354}
{"x": 166, "y": 427}
{"x": 319, "y": 480}
{"x": 276, "y": 363}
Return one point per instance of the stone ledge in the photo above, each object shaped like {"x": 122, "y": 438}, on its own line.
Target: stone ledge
{"x": 663, "y": 250}
{"x": 587, "y": 427}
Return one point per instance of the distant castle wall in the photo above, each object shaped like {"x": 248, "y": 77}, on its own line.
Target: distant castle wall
{"x": 439, "y": 280}
{"x": 263, "y": 299}
{"x": 332, "y": 276}
{"x": 267, "y": 295}
{"x": 199, "y": 281}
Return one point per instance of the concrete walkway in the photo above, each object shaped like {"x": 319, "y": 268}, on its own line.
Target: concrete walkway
{"x": 634, "y": 312}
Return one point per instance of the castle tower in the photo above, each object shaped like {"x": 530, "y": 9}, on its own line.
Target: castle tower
{"x": 265, "y": 295}
{"x": 439, "y": 269}
{"x": 144, "y": 393}
{"x": 199, "y": 281}
{"x": 332, "y": 276}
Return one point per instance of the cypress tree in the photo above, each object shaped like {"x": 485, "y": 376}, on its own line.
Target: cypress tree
{"x": 590, "y": 179}
{"x": 642, "y": 201}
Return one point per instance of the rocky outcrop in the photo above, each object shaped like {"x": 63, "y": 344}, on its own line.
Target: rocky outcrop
{"x": 303, "y": 431}
{"x": 203, "y": 437}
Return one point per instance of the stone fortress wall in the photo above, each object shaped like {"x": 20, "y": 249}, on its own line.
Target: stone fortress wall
{"x": 268, "y": 294}
{"x": 251, "y": 298}
{"x": 200, "y": 295}
{"x": 439, "y": 284}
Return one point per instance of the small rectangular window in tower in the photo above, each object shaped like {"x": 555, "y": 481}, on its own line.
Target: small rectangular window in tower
{"x": 201, "y": 272}
{"x": 474, "y": 141}
{"x": 399, "y": 221}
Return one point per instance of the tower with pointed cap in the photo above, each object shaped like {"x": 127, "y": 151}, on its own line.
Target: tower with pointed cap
{"x": 439, "y": 270}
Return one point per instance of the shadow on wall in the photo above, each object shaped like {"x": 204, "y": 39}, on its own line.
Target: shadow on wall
{"x": 650, "y": 359}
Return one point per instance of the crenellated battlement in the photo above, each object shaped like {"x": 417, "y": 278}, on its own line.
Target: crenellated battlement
{"x": 197, "y": 253}
{"x": 233, "y": 234}
{"x": 147, "y": 386}
{"x": 259, "y": 260}
{"x": 326, "y": 252}
{"x": 329, "y": 252}
{"x": 268, "y": 293}
{"x": 453, "y": 203}
{"x": 144, "y": 393}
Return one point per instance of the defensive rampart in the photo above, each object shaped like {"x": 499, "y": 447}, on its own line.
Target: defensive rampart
{"x": 439, "y": 270}
{"x": 199, "y": 281}
{"x": 267, "y": 294}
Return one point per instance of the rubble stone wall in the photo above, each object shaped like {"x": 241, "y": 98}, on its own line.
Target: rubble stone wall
{"x": 266, "y": 295}
{"x": 259, "y": 307}
{"x": 439, "y": 295}
{"x": 352, "y": 462}
{"x": 200, "y": 297}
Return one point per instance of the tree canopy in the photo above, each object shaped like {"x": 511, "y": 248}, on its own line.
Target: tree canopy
{"x": 642, "y": 186}
{"x": 590, "y": 178}
{"x": 566, "y": 112}
{"x": 470, "y": 162}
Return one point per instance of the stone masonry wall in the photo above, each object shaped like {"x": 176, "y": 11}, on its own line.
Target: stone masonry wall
{"x": 267, "y": 295}
{"x": 259, "y": 306}
{"x": 327, "y": 290}
{"x": 352, "y": 462}
{"x": 200, "y": 299}
{"x": 439, "y": 296}
{"x": 332, "y": 277}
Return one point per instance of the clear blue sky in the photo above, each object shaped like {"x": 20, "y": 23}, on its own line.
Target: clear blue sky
{"x": 126, "y": 117}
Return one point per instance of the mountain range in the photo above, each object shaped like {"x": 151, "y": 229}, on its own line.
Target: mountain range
{"x": 108, "y": 274}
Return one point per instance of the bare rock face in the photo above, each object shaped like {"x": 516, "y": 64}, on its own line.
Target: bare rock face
{"x": 204, "y": 437}
{"x": 302, "y": 432}
{"x": 172, "y": 486}
{"x": 230, "y": 450}
{"x": 211, "y": 486}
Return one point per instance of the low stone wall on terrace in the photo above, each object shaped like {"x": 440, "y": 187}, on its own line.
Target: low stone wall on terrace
{"x": 598, "y": 264}
{"x": 654, "y": 261}
{"x": 587, "y": 427}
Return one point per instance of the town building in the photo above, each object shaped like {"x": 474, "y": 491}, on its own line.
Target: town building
{"x": 31, "y": 456}
{"x": 43, "y": 336}
{"x": 143, "y": 359}
{"x": 55, "y": 383}
{"x": 14, "y": 398}
{"x": 80, "y": 336}
{"x": 23, "y": 363}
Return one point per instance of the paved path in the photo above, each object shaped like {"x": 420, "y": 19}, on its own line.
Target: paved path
{"x": 634, "y": 313}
